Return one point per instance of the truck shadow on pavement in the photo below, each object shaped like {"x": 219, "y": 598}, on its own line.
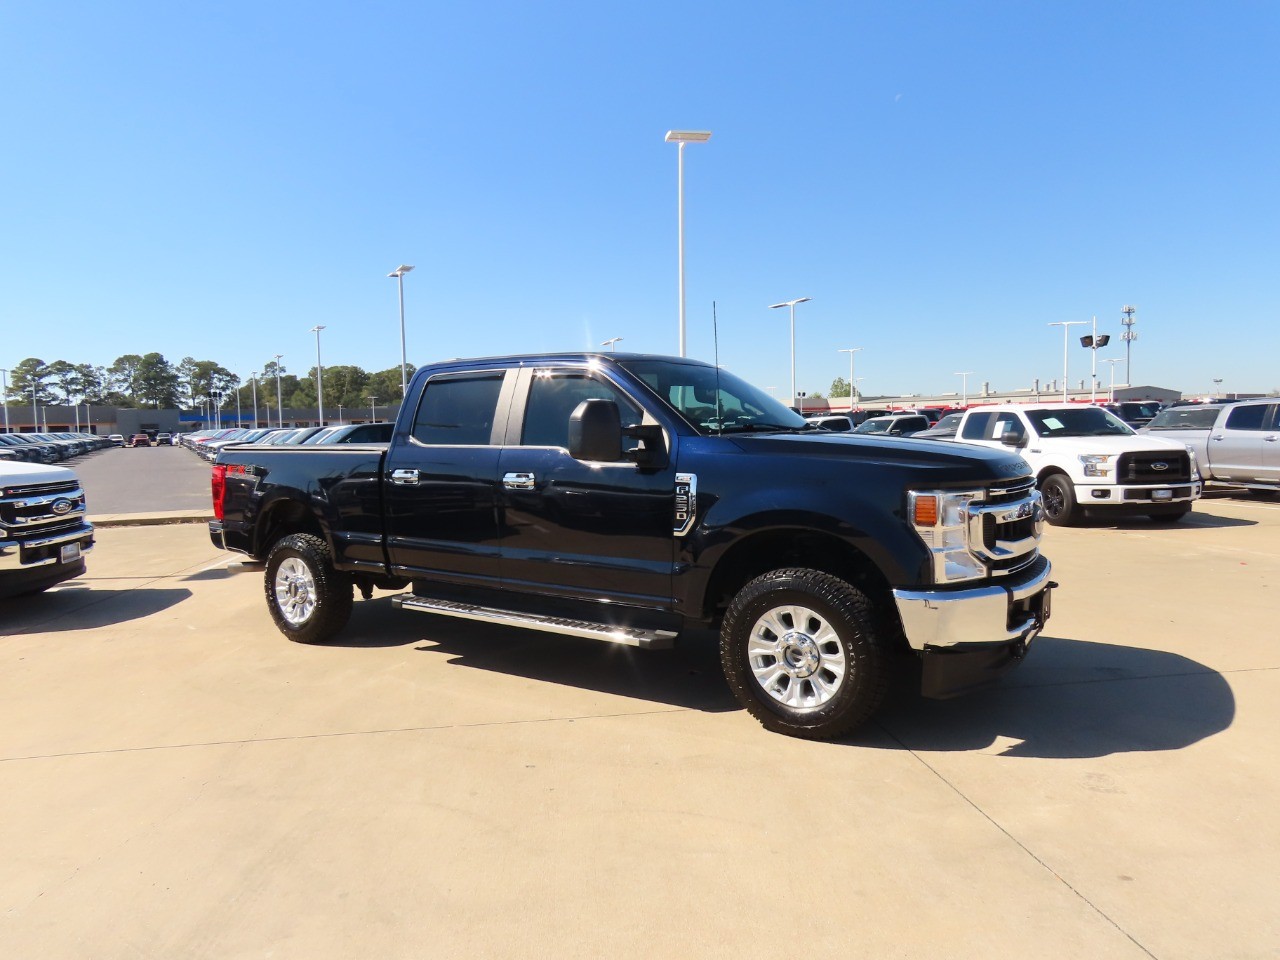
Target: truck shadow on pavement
{"x": 687, "y": 676}
{"x": 81, "y": 608}
{"x": 1072, "y": 699}
{"x": 1196, "y": 520}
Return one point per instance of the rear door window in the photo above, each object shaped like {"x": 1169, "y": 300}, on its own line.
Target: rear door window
{"x": 1247, "y": 418}
{"x": 458, "y": 410}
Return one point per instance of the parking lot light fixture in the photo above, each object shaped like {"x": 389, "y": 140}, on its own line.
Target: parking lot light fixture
{"x": 319, "y": 375}
{"x": 399, "y": 273}
{"x": 852, "y": 392}
{"x": 681, "y": 137}
{"x": 791, "y": 305}
{"x": 5, "y": 399}
{"x": 611, "y": 343}
{"x": 373, "y": 409}
{"x": 1111, "y": 387}
{"x": 964, "y": 376}
{"x": 255, "y": 401}
{"x": 279, "y": 393}
{"x": 1066, "y": 326}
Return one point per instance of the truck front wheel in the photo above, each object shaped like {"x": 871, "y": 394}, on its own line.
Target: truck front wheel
{"x": 1059, "y": 499}
{"x": 309, "y": 601}
{"x": 803, "y": 653}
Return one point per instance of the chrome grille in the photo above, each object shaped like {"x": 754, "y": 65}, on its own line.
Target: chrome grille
{"x": 1146, "y": 467}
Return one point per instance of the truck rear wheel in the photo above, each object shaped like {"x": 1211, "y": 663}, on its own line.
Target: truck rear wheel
{"x": 1059, "y": 498}
{"x": 802, "y": 652}
{"x": 309, "y": 601}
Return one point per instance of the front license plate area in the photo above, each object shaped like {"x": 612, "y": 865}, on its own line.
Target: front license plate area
{"x": 1161, "y": 494}
{"x": 69, "y": 553}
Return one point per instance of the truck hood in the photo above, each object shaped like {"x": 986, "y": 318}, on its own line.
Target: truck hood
{"x": 954, "y": 463}
{"x": 26, "y": 473}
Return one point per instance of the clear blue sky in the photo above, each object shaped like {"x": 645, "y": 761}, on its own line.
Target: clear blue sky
{"x": 943, "y": 179}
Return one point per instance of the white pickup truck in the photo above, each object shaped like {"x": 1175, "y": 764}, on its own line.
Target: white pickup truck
{"x": 1088, "y": 460}
{"x": 43, "y": 531}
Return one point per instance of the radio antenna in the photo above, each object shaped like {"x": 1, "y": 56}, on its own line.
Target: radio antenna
{"x": 715, "y": 334}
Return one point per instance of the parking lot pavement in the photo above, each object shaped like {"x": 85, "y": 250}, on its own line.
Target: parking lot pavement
{"x": 177, "y": 780}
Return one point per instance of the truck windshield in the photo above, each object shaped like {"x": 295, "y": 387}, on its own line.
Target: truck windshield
{"x": 1078, "y": 422}
{"x": 1185, "y": 418}
{"x": 714, "y": 402}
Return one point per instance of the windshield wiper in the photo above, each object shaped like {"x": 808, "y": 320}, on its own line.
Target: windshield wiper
{"x": 765, "y": 428}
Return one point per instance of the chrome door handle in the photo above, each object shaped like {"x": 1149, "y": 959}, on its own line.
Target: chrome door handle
{"x": 1218, "y": 437}
{"x": 518, "y": 481}
{"x": 1271, "y": 439}
{"x": 404, "y": 478}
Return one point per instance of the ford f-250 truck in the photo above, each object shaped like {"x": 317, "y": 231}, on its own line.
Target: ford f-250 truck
{"x": 627, "y": 497}
{"x": 43, "y": 531}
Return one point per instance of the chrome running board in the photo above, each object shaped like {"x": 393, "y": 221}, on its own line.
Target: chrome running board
{"x": 632, "y": 637}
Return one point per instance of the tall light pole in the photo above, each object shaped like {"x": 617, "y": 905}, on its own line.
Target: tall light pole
{"x": 5, "y": 375}
{"x": 682, "y": 137}
{"x": 373, "y": 408}
{"x": 1128, "y": 337}
{"x": 1093, "y": 342}
{"x": 339, "y": 414}
{"x": 399, "y": 273}
{"x": 279, "y": 392}
{"x": 319, "y": 374}
{"x": 255, "y": 401}
{"x": 35, "y": 408}
{"x": 791, "y": 305}
{"x": 611, "y": 344}
{"x": 238, "y": 423}
{"x": 852, "y": 390}
{"x": 964, "y": 376}
{"x": 1066, "y": 329}
{"x": 1111, "y": 386}
{"x": 1217, "y": 387}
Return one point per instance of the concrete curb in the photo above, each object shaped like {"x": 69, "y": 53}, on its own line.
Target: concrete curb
{"x": 151, "y": 519}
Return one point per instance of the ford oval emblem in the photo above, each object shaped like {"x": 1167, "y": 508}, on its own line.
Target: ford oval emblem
{"x": 1159, "y": 465}
{"x": 62, "y": 506}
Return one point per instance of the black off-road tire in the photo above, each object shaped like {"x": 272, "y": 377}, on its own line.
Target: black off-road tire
{"x": 1059, "y": 500}
{"x": 309, "y": 601}
{"x": 844, "y": 630}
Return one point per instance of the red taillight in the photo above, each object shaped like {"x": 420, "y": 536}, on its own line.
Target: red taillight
{"x": 219, "y": 488}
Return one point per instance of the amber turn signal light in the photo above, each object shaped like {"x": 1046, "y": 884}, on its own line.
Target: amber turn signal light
{"x": 926, "y": 511}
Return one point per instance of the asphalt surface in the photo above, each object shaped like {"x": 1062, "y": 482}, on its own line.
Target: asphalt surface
{"x": 177, "y": 780}
{"x": 150, "y": 480}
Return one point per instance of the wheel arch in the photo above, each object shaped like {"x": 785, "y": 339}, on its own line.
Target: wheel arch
{"x": 280, "y": 519}
{"x": 765, "y": 550}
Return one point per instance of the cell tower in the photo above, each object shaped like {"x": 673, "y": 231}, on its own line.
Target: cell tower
{"x": 1128, "y": 337}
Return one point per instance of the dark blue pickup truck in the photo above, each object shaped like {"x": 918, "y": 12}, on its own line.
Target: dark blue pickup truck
{"x": 627, "y": 497}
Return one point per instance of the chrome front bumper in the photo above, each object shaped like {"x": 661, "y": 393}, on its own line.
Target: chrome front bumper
{"x": 33, "y": 552}
{"x": 1015, "y": 609}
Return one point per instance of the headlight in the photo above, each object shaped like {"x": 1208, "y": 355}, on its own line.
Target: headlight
{"x": 1096, "y": 465}
{"x": 940, "y": 519}
{"x": 1195, "y": 467}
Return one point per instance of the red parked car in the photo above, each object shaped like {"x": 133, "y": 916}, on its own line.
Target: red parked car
{"x": 139, "y": 440}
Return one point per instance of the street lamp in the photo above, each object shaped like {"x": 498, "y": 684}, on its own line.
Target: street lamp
{"x": 610, "y": 343}
{"x": 964, "y": 386}
{"x": 1065, "y": 325}
{"x": 1093, "y": 342}
{"x": 238, "y": 423}
{"x": 279, "y": 392}
{"x": 682, "y": 137}
{"x": 373, "y": 408}
{"x": 851, "y": 351}
{"x": 1111, "y": 386}
{"x": 319, "y": 374}
{"x": 1217, "y": 387}
{"x": 399, "y": 273}
{"x": 255, "y": 401}
{"x": 791, "y": 304}
{"x": 5, "y": 399}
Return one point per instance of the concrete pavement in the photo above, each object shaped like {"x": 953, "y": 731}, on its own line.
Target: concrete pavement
{"x": 177, "y": 780}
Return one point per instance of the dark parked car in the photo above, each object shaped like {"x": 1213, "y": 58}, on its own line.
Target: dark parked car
{"x": 899, "y": 425}
{"x": 945, "y": 428}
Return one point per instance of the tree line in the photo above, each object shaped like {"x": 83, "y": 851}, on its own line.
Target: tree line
{"x": 149, "y": 380}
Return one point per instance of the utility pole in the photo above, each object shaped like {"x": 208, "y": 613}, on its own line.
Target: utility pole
{"x": 1128, "y": 337}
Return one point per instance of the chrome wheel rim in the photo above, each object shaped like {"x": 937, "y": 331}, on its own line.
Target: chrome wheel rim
{"x": 796, "y": 657}
{"x": 295, "y": 591}
{"x": 1054, "y": 500}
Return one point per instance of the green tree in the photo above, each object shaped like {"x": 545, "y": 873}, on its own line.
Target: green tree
{"x": 157, "y": 382}
{"x": 839, "y": 387}
{"x": 31, "y": 372}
